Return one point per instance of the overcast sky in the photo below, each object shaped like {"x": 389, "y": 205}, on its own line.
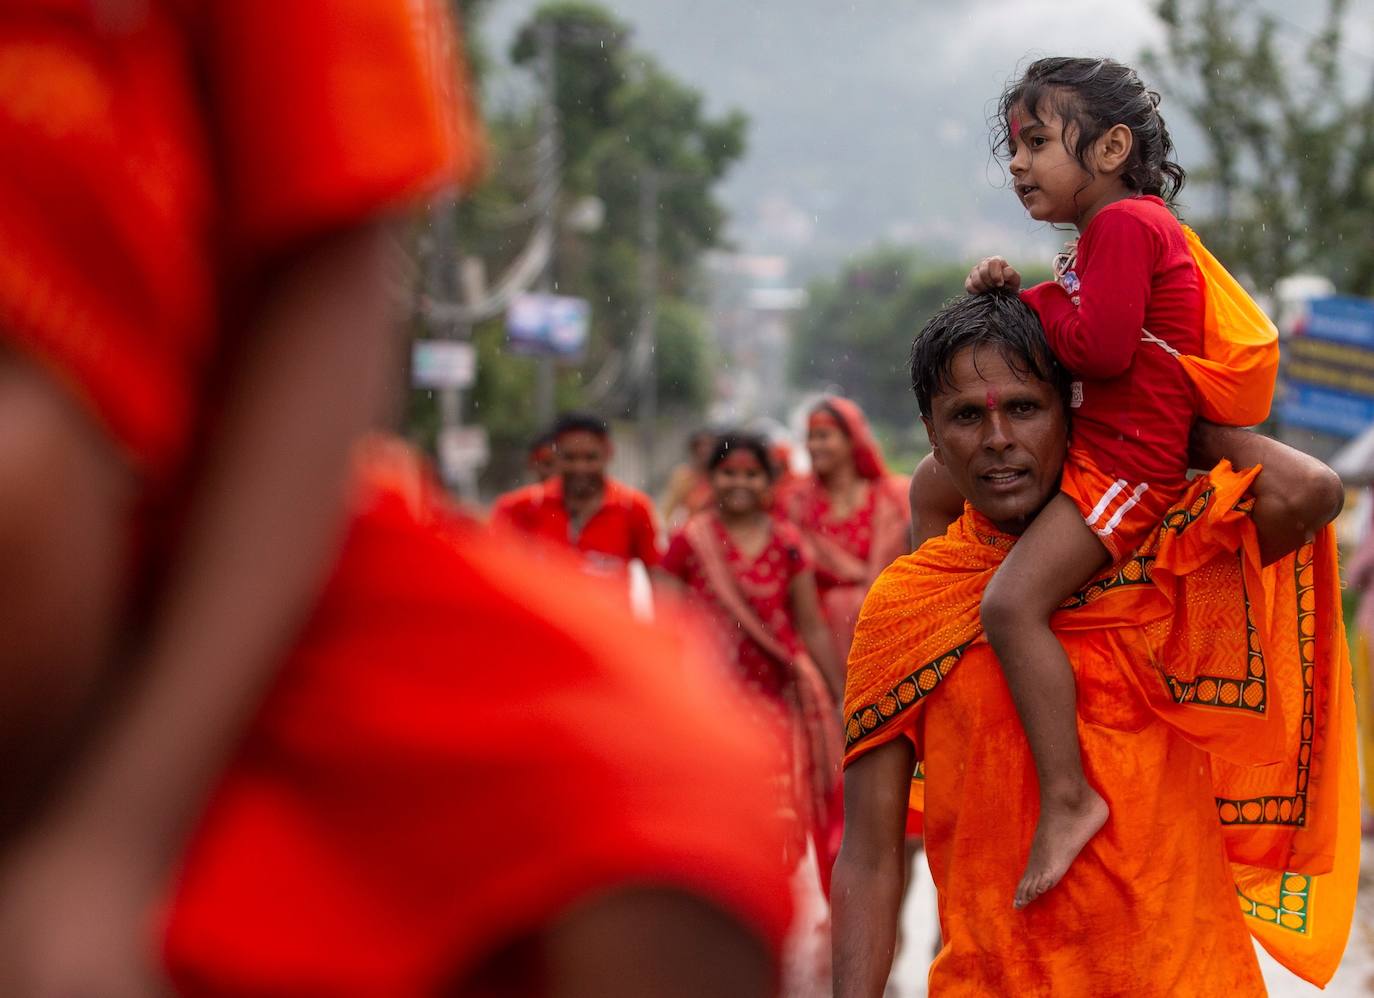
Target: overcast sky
{"x": 868, "y": 118}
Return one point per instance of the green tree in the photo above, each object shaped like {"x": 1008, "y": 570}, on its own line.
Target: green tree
{"x": 620, "y": 115}
{"x": 1289, "y": 141}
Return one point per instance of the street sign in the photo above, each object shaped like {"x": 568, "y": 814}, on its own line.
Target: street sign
{"x": 1328, "y": 368}
{"x": 548, "y": 325}
{"x": 462, "y": 450}
{"x": 443, "y": 364}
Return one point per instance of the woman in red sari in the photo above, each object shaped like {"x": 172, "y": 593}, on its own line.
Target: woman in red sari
{"x": 852, "y": 513}
{"x": 749, "y": 570}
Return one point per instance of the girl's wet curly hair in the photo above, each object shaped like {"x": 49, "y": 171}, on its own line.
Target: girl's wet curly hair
{"x": 1090, "y": 96}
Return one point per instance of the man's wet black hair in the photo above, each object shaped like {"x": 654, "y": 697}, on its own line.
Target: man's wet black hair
{"x": 999, "y": 320}
{"x": 730, "y": 442}
{"x": 1092, "y": 95}
{"x": 580, "y": 422}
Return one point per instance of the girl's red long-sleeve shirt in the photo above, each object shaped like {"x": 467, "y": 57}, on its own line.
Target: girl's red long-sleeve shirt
{"x": 1133, "y": 403}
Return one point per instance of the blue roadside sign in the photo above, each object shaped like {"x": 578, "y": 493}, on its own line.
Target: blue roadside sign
{"x": 1328, "y": 368}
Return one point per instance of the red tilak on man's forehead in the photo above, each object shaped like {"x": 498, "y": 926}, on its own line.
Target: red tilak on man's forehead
{"x": 992, "y": 399}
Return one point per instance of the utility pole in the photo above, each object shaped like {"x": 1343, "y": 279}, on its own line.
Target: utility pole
{"x": 441, "y": 280}
{"x": 551, "y": 146}
{"x": 647, "y": 335}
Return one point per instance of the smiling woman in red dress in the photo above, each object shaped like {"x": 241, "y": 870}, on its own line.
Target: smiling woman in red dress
{"x": 749, "y": 571}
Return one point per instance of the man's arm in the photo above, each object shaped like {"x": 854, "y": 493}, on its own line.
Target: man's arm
{"x": 1295, "y": 495}
{"x": 866, "y": 889}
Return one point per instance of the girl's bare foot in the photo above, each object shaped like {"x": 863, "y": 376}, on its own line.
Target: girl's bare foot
{"x": 1064, "y": 828}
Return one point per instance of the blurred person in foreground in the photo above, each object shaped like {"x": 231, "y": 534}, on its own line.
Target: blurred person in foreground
{"x": 748, "y": 570}
{"x": 229, "y": 620}
{"x": 689, "y": 486}
{"x": 852, "y": 513}
{"x": 583, "y": 508}
{"x": 1214, "y": 710}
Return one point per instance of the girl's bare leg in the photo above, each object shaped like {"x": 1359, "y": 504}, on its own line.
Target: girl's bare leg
{"x": 1054, "y": 557}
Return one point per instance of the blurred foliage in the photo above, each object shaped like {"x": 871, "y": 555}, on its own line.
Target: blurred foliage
{"x": 855, "y": 334}
{"x": 685, "y": 356}
{"x": 1289, "y": 133}
{"x": 619, "y": 114}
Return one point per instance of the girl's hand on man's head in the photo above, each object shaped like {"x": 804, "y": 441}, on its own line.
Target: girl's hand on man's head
{"x": 993, "y": 272}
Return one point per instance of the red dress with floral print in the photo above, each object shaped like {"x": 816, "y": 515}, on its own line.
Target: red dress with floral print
{"x": 765, "y": 581}
{"x": 854, "y": 533}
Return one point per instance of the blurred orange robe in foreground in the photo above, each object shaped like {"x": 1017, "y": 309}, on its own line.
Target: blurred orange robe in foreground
{"x": 465, "y": 744}
{"x": 168, "y": 154}
{"x": 1215, "y": 717}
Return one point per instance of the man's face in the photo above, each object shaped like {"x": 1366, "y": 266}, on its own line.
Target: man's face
{"x": 582, "y": 462}
{"x": 1001, "y": 438}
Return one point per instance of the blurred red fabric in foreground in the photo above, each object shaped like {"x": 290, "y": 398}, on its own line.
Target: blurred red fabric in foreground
{"x": 466, "y": 743}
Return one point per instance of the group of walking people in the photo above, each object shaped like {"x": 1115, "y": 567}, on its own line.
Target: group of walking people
{"x": 777, "y": 562}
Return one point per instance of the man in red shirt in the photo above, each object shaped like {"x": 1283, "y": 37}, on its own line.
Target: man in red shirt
{"x": 582, "y": 507}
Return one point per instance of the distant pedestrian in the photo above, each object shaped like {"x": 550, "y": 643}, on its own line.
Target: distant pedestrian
{"x": 582, "y": 507}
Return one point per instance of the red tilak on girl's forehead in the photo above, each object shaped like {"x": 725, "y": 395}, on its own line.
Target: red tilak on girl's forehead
{"x": 1015, "y": 127}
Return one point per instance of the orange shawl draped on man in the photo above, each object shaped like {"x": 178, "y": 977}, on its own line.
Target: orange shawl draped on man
{"x": 1201, "y": 676}
{"x": 850, "y": 553}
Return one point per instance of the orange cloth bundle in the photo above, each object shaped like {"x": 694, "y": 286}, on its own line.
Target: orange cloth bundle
{"x": 1215, "y": 717}
{"x": 1240, "y": 347}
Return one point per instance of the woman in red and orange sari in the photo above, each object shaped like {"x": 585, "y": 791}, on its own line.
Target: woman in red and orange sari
{"x": 852, "y": 513}
{"x": 749, "y": 571}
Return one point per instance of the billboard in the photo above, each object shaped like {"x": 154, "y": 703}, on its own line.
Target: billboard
{"x": 1328, "y": 368}
{"x": 443, "y": 364}
{"x": 548, "y": 325}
